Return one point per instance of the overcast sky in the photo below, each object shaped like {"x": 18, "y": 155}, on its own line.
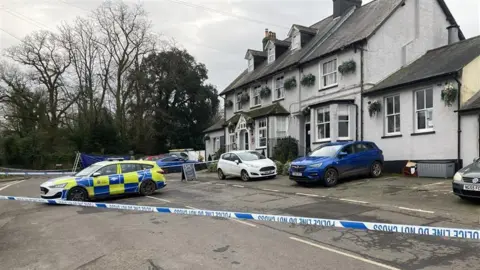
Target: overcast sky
{"x": 216, "y": 32}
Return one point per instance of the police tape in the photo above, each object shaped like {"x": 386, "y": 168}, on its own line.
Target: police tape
{"x": 27, "y": 173}
{"x": 327, "y": 223}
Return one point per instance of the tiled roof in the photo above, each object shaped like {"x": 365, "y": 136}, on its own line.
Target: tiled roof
{"x": 437, "y": 62}
{"x": 359, "y": 26}
{"x": 305, "y": 29}
{"x": 217, "y": 126}
{"x": 473, "y": 103}
{"x": 273, "y": 109}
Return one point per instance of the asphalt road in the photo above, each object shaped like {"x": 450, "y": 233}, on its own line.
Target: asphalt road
{"x": 37, "y": 236}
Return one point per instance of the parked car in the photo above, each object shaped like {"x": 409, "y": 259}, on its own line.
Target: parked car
{"x": 246, "y": 164}
{"x": 173, "y": 163}
{"x": 466, "y": 182}
{"x": 106, "y": 178}
{"x": 331, "y": 162}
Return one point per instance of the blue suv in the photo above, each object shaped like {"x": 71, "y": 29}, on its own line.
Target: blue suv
{"x": 333, "y": 161}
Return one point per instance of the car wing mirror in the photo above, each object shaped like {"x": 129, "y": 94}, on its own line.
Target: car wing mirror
{"x": 96, "y": 174}
{"x": 342, "y": 154}
{"x": 237, "y": 161}
{"x": 475, "y": 160}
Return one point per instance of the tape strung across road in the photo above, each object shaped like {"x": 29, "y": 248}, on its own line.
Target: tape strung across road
{"x": 71, "y": 173}
{"x": 334, "y": 223}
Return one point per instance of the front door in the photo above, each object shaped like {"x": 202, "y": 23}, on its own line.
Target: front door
{"x": 246, "y": 141}
{"x": 307, "y": 139}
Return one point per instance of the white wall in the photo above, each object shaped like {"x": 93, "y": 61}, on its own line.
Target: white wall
{"x": 401, "y": 34}
{"x": 469, "y": 138}
{"x": 209, "y": 143}
{"x": 441, "y": 145}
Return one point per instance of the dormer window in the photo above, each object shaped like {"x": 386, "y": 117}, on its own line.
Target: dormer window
{"x": 250, "y": 64}
{"x": 296, "y": 41}
{"x": 271, "y": 54}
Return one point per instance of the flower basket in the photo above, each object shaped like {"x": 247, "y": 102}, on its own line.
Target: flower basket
{"x": 206, "y": 138}
{"x": 245, "y": 97}
{"x": 228, "y": 104}
{"x": 308, "y": 80}
{"x": 231, "y": 127}
{"x": 347, "y": 67}
{"x": 290, "y": 83}
{"x": 265, "y": 92}
{"x": 306, "y": 111}
{"x": 449, "y": 94}
{"x": 374, "y": 107}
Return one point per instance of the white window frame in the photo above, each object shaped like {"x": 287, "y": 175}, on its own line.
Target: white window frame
{"x": 216, "y": 144}
{"x": 238, "y": 102}
{"x": 263, "y": 128}
{"x": 271, "y": 53}
{"x": 296, "y": 39}
{"x": 323, "y": 74}
{"x": 427, "y": 110}
{"x": 251, "y": 63}
{"x": 317, "y": 124}
{"x": 231, "y": 138}
{"x": 280, "y": 88}
{"x": 281, "y": 133}
{"x": 393, "y": 114}
{"x": 340, "y": 112}
{"x": 255, "y": 94}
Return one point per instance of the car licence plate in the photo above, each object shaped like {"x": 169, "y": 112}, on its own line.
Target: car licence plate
{"x": 471, "y": 187}
{"x": 296, "y": 173}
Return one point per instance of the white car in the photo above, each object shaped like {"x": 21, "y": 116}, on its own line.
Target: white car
{"x": 246, "y": 164}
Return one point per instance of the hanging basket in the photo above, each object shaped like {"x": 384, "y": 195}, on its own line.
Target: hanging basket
{"x": 306, "y": 111}
{"x": 347, "y": 67}
{"x": 374, "y": 107}
{"x": 449, "y": 94}
{"x": 228, "y": 104}
{"x": 265, "y": 92}
{"x": 245, "y": 97}
{"x": 206, "y": 138}
{"x": 290, "y": 83}
{"x": 308, "y": 80}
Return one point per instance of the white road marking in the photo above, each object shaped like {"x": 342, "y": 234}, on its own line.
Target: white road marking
{"x": 309, "y": 195}
{"x": 238, "y": 186}
{"x": 219, "y": 184}
{"x": 353, "y": 201}
{"x": 155, "y": 198}
{"x": 236, "y": 220}
{"x": 416, "y": 210}
{"x": 345, "y": 254}
{"x": 274, "y": 190}
{"x": 14, "y": 183}
{"x": 245, "y": 223}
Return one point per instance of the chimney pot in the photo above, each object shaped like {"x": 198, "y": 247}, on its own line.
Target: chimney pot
{"x": 266, "y": 32}
{"x": 341, "y": 6}
{"x": 453, "y": 31}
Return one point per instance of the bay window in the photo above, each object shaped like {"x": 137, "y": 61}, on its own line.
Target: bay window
{"x": 329, "y": 73}
{"x": 262, "y": 133}
{"x": 281, "y": 127}
{"x": 424, "y": 110}
{"x": 392, "y": 115}
{"x": 343, "y": 122}
{"x": 323, "y": 123}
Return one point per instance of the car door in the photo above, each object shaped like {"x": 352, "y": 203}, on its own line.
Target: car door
{"x": 345, "y": 164}
{"x": 224, "y": 164}
{"x": 365, "y": 157}
{"x": 130, "y": 173}
{"x": 236, "y": 168}
{"x": 107, "y": 175}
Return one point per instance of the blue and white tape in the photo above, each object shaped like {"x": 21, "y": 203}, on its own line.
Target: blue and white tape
{"x": 333, "y": 223}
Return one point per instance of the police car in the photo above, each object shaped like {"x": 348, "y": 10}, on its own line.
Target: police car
{"x": 106, "y": 178}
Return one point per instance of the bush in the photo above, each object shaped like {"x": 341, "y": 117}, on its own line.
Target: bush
{"x": 219, "y": 152}
{"x": 286, "y": 149}
{"x": 212, "y": 167}
{"x": 279, "y": 167}
{"x": 286, "y": 167}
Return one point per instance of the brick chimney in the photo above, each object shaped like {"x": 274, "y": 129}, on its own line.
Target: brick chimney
{"x": 265, "y": 39}
{"x": 341, "y": 6}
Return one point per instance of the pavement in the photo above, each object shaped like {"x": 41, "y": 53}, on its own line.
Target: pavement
{"x": 37, "y": 236}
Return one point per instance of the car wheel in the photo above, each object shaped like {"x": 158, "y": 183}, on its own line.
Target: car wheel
{"x": 330, "y": 178}
{"x": 221, "y": 176}
{"x": 376, "y": 169}
{"x": 147, "y": 188}
{"x": 245, "y": 176}
{"x": 78, "y": 194}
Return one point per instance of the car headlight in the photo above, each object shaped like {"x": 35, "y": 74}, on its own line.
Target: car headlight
{"x": 58, "y": 185}
{"x": 457, "y": 177}
{"x": 318, "y": 165}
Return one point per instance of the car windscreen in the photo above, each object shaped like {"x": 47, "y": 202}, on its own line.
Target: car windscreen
{"x": 250, "y": 156}
{"x": 326, "y": 151}
{"x": 88, "y": 171}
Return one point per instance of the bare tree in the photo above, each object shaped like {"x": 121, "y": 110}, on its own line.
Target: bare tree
{"x": 125, "y": 34}
{"x": 42, "y": 53}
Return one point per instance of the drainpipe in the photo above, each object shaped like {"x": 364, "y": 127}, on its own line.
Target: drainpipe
{"x": 459, "y": 127}
{"x": 356, "y": 121}
{"x": 361, "y": 95}
{"x": 478, "y": 138}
